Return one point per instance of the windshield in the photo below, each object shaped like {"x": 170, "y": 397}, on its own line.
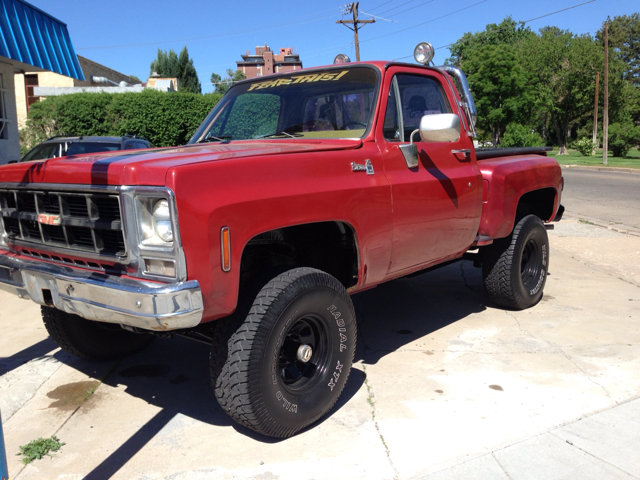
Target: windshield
{"x": 331, "y": 103}
{"x": 45, "y": 151}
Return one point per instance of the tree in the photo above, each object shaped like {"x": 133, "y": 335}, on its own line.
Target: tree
{"x": 500, "y": 86}
{"x": 624, "y": 39}
{"x": 508, "y": 32}
{"x": 565, "y": 67}
{"x": 135, "y": 79}
{"x": 222, "y": 85}
{"x": 171, "y": 65}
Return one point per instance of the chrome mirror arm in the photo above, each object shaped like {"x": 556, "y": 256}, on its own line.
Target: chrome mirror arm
{"x": 468, "y": 104}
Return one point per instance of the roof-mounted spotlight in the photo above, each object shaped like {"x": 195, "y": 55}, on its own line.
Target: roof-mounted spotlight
{"x": 423, "y": 53}
{"x": 341, "y": 58}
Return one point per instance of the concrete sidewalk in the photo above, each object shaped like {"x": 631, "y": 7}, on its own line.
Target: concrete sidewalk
{"x": 445, "y": 386}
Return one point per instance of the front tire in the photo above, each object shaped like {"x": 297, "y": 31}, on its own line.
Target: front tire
{"x": 289, "y": 361}
{"x": 515, "y": 268}
{"x": 92, "y": 340}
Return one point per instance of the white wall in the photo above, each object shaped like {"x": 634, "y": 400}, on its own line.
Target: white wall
{"x": 9, "y": 141}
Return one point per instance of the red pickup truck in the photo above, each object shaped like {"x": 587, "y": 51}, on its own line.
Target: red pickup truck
{"x": 298, "y": 190}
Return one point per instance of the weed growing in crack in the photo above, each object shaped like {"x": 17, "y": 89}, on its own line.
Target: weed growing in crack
{"x": 36, "y": 449}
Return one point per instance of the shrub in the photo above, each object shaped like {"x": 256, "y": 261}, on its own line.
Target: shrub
{"x": 585, "y": 146}
{"x": 517, "y": 135}
{"x": 164, "y": 118}
{"x": 623, "y": 137}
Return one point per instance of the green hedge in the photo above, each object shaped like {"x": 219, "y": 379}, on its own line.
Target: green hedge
{"x": 164, "y": 118}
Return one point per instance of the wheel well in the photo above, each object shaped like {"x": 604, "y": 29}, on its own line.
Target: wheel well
{"x": 327, "y": 246}
{"x": 539, "y": 203}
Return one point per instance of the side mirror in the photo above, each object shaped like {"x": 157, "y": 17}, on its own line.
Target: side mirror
{"x": 444, "y": 127}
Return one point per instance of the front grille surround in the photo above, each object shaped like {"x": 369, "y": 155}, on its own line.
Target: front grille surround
{"x": 90, "y": 223}
{"x": 104, "y": 235}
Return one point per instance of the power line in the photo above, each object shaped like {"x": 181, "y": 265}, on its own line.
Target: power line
{"x": 411, "y": 8}
{"x": 397, "y": 6}
{"x": 382, "y": 36}
{"x": 428, "y": 21}
{"x": 382, "y": 4}
{"x": 502, "y": 29}
{"x": 381, "y": 18}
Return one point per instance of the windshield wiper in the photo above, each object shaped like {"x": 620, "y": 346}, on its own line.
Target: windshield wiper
{"x": 215, "y": 139}
{"x": 281, "y": 134}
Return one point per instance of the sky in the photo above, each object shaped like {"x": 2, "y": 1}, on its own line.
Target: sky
{"x": 125, "y": 35}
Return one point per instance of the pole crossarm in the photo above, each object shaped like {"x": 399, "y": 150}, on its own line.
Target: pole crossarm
{"x": 353, "y": 8}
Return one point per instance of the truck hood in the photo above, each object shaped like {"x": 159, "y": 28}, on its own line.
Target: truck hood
{"x": 149, "y": 167}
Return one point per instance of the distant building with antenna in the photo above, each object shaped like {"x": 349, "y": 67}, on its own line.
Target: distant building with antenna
{"x": 266, "y": 62}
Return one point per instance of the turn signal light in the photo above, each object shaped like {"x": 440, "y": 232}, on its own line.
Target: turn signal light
{"x": 225, "y": 245}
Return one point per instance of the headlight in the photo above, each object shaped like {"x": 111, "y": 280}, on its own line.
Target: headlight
{"x": 154, "y": 222}
{"x": 162, "y": 221}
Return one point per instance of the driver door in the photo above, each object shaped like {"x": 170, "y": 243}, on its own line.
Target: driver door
{"x": 436, "y": 206}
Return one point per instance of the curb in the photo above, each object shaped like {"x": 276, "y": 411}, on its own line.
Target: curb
{"x": 603, "y": 168}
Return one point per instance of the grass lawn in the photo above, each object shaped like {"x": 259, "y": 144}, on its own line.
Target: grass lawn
{"x": 632, "y": 160}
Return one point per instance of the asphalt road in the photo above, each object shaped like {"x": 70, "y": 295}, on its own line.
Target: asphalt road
{"x": 612, "y": 198}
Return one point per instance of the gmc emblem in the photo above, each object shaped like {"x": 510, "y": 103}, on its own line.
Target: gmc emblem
{"x": 49, "y": 219}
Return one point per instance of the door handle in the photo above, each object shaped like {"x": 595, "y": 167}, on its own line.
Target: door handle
{"x": 464, "y": 154}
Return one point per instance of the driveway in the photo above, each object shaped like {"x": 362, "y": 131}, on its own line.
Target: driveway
{"x": 445, "y": 385}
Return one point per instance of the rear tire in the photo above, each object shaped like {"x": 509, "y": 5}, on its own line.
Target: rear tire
{"x": 92, "y": 340}
{"x": 267, "y": 383}
{"x": 515, "y": 268}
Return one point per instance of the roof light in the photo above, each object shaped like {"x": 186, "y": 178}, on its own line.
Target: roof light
{"x": 341, "y": 58}
{"x": 423, "y": 53}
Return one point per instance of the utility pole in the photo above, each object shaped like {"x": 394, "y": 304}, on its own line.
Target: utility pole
{"x": 595, "y": 117}
{"x": 605, "y": 120}
{"x": 353, "y": 8}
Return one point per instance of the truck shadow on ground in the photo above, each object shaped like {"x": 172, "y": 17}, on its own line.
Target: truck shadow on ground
{"x": 174, "y": 376}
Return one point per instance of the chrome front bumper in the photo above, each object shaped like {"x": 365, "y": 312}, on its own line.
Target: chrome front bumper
{"x": 104, "y": 298}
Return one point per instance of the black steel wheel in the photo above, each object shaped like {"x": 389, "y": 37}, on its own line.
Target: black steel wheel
{"x": 289, "y": 361}
{"x": 92, "y": 340}
{"x": 515, "y": 268}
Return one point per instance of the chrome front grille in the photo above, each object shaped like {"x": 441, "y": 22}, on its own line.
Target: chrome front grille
{"x": 65, "y": 221}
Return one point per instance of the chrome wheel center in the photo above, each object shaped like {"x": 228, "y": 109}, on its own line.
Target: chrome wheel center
{"x": 304, "y": 353}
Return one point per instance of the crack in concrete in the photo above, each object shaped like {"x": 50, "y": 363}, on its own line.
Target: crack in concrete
{"x": 370, "y": 399}
{"x": 526, "y": 332}
{"x": 570, "y": 358}
{"x": 559, "y": 349}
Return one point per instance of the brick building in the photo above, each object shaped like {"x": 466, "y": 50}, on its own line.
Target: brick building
{"x": 25, "y": 83}
{"x": 266, "y": 62}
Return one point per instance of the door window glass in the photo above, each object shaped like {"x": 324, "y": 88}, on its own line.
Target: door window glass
{"x": 420, "y": 96}
{"x": 391, "y": 120}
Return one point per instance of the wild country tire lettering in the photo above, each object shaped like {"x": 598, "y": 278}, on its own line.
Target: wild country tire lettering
{"x": 343, "y": 345}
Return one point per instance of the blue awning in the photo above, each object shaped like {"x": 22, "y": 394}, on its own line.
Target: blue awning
{"x": 33, "y": 37}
